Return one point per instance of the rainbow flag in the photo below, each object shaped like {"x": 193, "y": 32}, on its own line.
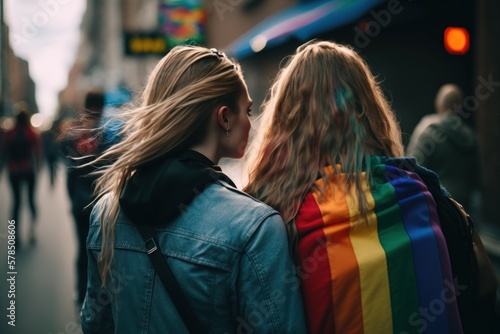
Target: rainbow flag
{"x": 391, "y": 276}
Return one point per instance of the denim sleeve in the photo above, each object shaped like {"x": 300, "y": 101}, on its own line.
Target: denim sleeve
{"x": 96, "y": 316}
{"x": 269, "y": 299}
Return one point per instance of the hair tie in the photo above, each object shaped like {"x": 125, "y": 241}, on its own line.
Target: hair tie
{"x": 222, "y": 55}
{"x": 218, "y": 53}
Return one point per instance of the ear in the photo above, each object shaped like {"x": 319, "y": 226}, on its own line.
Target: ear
{"x": 223, "y": 117}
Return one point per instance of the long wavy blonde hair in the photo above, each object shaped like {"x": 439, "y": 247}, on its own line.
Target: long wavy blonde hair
{"x": 173, "y": 114}
{"x": 325, "y": 108}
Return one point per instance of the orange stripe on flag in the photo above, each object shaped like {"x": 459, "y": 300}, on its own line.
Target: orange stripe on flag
{"x": 346, "y": 293}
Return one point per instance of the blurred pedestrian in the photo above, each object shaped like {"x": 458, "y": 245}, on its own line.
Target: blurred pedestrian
{"x": 81, "y": 143}
{"x": 23, "y": 155}
{"x": 2, "y": 150}
{"x": 51, "y": 150}
{"x": 227, "y": 251}
{"x": 370, "y": 251}
{"x": 444, "y": 143}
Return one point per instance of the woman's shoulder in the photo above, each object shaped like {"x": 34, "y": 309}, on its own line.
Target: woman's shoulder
{"x": 239, "y": 201}
{"x": 242, "y": 217}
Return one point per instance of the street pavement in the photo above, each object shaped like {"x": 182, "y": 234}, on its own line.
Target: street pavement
{"x": 45, "y": 279}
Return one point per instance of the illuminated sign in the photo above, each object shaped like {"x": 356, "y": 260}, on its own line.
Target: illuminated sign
{"x": 145, "y": 43}
{"x": 182, "y": 21}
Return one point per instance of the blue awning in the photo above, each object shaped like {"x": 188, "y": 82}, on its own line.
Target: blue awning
{"x": 302, "y": 21}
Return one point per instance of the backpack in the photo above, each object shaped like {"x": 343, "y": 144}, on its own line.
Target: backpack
{"x": 20, "y": 148}
{"x": 474, "y": 277}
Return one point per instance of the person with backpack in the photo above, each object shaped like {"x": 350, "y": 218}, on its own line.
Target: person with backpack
{"x": 369, "y": 249}
{"x": 23, "y": 156}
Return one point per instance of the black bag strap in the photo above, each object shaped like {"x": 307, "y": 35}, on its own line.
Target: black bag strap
{"x": 168, "y": 280}
{"x": 293, "y": 241}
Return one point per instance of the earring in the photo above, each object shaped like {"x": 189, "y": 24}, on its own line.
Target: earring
{"x": 227, "y": 131}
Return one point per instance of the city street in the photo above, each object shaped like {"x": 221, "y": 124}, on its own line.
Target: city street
{"x": 389, "y": 78}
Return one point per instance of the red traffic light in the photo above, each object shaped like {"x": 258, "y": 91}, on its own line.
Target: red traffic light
{"x": 456, "y": 40}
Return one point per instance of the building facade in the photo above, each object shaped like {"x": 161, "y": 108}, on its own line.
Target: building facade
{"x": 101, "y": 61}
{"x": 16, "y": 83}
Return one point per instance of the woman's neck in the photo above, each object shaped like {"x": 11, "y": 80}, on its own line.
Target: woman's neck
{"x": 208, "y": 152}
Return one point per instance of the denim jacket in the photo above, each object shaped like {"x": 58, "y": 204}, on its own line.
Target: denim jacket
{"x": 229, "y": 253}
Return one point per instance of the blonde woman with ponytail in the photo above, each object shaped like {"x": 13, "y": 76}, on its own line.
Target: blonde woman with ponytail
{"x": 370, "y": 252}
{"x": 227, "y": 251}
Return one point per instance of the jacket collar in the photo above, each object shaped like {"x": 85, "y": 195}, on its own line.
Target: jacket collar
{"x": 159, "y": 191}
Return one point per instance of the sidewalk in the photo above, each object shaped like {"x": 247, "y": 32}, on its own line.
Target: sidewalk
{"x": 45, "y": 280}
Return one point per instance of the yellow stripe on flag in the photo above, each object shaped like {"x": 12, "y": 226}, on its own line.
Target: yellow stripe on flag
{"x": 372, "y": 262}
